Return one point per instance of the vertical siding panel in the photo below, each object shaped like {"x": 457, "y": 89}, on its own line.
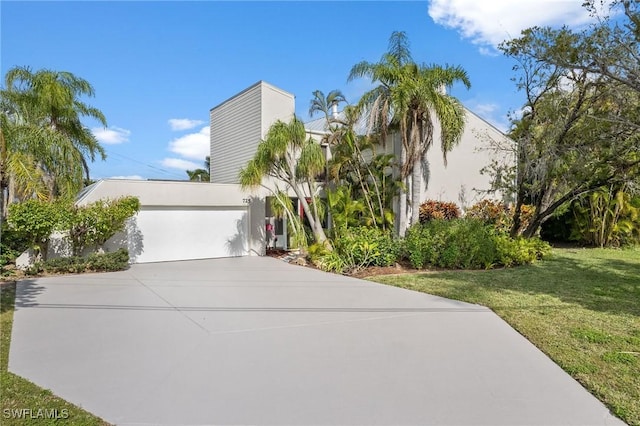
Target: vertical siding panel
{"x": 238, "y": 124}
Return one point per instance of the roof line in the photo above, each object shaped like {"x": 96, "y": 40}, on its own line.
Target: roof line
{"x": 258, "y": 83}
{"x": 486, "y": 122}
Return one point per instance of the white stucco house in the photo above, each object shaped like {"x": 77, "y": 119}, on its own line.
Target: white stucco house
{"x": 239, "y": 123}
{"x": 181, "y": 220}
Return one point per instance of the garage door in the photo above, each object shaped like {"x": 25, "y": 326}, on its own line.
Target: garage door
{"x": 164, "y": 234}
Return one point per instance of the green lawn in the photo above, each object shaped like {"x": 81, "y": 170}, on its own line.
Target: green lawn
{"x": 581, "y": 307}
{"x": 22, "y": 402}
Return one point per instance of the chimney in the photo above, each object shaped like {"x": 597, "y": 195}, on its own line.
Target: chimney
{"x": 334, "y": 110}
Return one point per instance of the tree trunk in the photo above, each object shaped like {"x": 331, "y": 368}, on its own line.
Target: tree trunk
{"x": 416, "y": 190}
{"x": 315, "y": 223}
{"x": 402, "y": 201}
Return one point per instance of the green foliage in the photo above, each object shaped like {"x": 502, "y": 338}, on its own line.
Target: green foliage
{"x": 467, "y": 244}
{"x": 45, "y": 146}
{"x": 355, "y": 249}
{"x": 95, "y": 223}
{"x": 607, "y": 217}
{"x": 407, "y": 98}
{"x": 286, "y": 155}
{"x": 106, "y": 262}
{"x": 432, "y": 209}
{"x": 35, "y": 220}
{"x": 579, "y": 130}
{"x": 62, "y": 265}
{"x": 346, "y": 212}
{"x": 368, "y": 178}
{"x": 604, "y": 218}
{"x": 11, "y": 245}
{"x": 520, "y": 250}
{"x": 458, "y": 243}
{"x": 95, "y": 262}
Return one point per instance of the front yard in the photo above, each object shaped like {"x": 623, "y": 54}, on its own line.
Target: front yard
{"x": 581, "y": 307}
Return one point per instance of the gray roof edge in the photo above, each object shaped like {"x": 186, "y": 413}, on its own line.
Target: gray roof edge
{"x": 86, "y": 191}
{"x": 258, "y": 83}
{"x": 486, "y": 122}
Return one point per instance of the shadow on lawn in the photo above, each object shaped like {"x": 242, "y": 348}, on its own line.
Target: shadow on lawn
{"x": 598, "y": 284}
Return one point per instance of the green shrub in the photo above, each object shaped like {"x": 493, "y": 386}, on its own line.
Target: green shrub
{"x": 356, "y": 248}
{"x": 520, "y": 251}
{"x": 35, "y": 220}
{"x": 95, "y": 223}
{"x": 12, "y": 245}
{"x": 72, "y": 264}
{"x": 36, "y": 269}
{"x": 107, "y": 262}
{"x": 96, "y": 262}
{"x": 459, "y": 243}
{"x": 434, "y": 210}
{"x": 467, "y": 244}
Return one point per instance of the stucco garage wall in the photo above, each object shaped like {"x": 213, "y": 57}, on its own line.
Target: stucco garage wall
{"x": 183, "y": 220}
{"x": 188, "y": 233}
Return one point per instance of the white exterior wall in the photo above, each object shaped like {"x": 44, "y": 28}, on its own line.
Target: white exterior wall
{"x": 238, "y": 125}
{"x": 461, "y": 181}
{"x": 181, "y": 220}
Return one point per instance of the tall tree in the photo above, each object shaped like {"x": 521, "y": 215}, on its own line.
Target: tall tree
{"x": 286, "y": 155}
{"x": 45, "y": 147}
{"x": 579, "y": 130}
{"x": 410, "y": 99}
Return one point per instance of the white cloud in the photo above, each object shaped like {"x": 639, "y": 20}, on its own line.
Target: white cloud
{"x": 485, "y": 109}
{"x": 111, "y": 135}
{"x": 183, "y": 123}
{"x": 130, "y": 177}
{"x": 194, "y": 146}
{"x": 490, "y": 22}
{"x": 180, "y": 164}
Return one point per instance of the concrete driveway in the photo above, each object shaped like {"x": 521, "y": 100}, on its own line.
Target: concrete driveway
{"x": 257, "y": 341}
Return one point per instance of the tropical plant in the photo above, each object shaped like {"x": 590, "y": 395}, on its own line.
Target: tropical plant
{"x": 201, "y": 175}
{"x": 287, "y": 156}
{"x": 499, "y": 214}
{"x": 606, "y": 217}
{"x": 44, "y": 146}
{"x": 432, "y": 209}
{"x": 326, "y": 104}
{"x": 357, "y": 248}
{"x": 354, "y": 163}
{"x": 409, "y": 99}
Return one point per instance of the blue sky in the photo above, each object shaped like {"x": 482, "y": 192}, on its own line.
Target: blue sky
{"x": 159, "y": 67}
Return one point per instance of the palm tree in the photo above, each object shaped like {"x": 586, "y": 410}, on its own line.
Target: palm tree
{"x": 408, "y": 100}
{"x": 324, "y": 104}
{"x": 201, "y": 175}
{"x": 286, "y": 155}
{"x": 44, "y": 147}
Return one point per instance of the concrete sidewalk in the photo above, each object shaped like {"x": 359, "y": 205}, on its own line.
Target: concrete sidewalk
{"x": 257, "y": 341}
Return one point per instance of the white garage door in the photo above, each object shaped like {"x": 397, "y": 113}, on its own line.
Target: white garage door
{"x": 163, "y": 234}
